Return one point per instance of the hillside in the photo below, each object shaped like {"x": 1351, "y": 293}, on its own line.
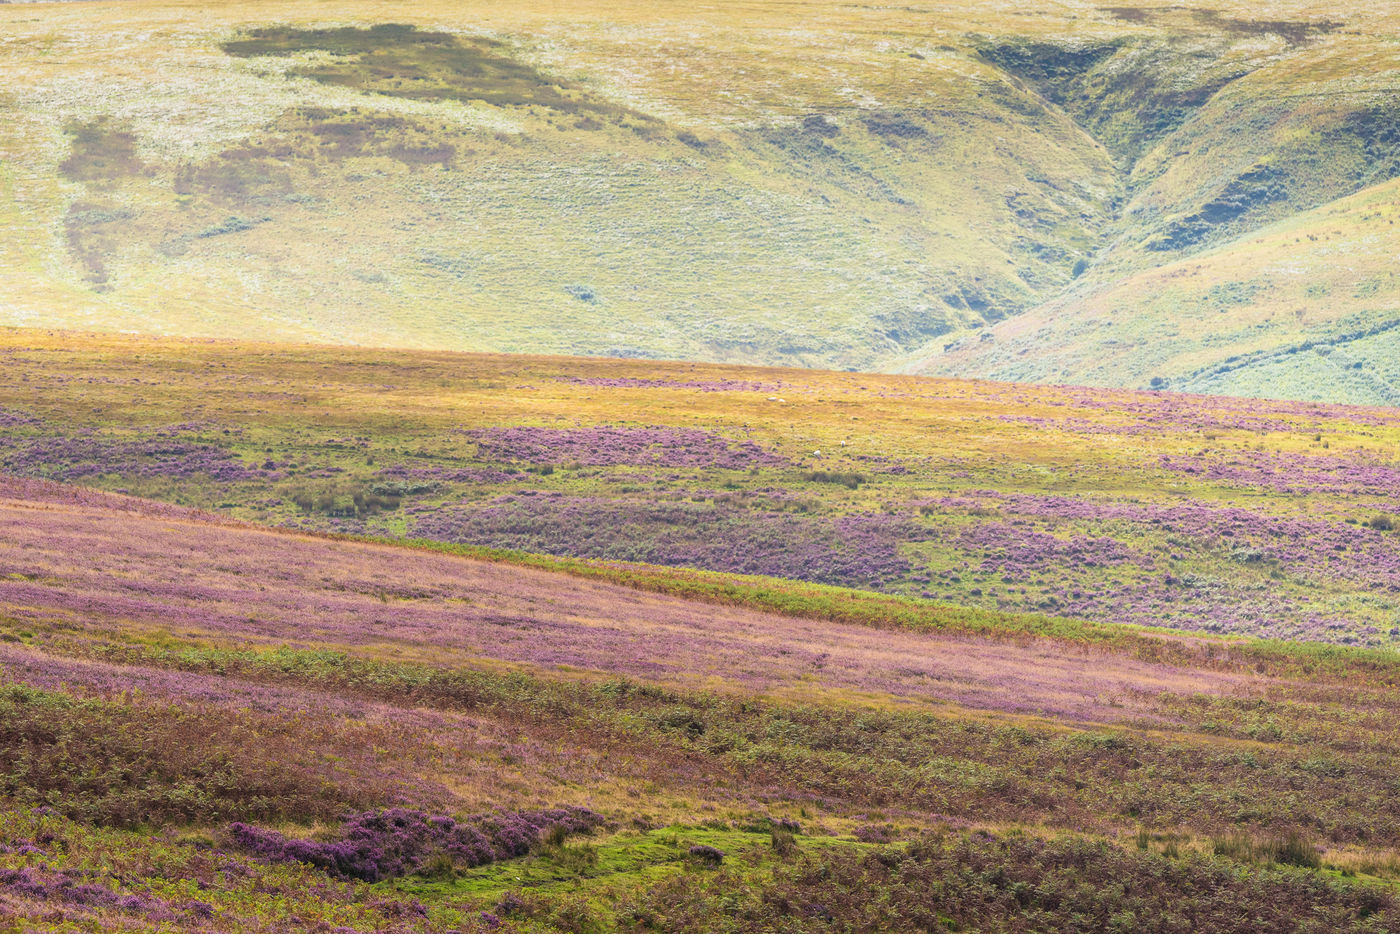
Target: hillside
{"x": 511, "y": 764}
{"x": 1001, "y": 190}
{"x": 1221, "y": 515}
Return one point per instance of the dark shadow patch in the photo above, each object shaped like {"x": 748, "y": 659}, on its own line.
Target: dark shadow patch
{"x": 94, "y": 232}
{"x": 347, "y": 134}
{"x": 1361, "y": 147}
{"x": 894, "y": 127}
{"x": 1115, "y": 90}
{"x": 691, "y": 140}
{"x": 101, "y": 153}
{"x": 265, "y": 170}
{"x": 1053, "y": 67}
{"x": 242, "y": 175}
{"x": 1260, "y": 186}
{"x": 1377, "y": 131}
{"x": 818, "y": 125}
{"x": 1294, "y": 32}
{"x": 1130, "y": 14}
{"x": 401, "y": 61}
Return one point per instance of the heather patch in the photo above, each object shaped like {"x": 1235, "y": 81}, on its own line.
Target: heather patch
{"x": 1293, "y": 474}
{"x": 1191, "y": 565}
{"x": 1229, "y": 515}
{"x": 1176, "y": 412}
{"x": 82, "y": 457}
{"x": 1017, "y": 553}
{"x": 66, "y": 887}
{"x": 861, "y": 550}
{"x": 605, "y": 446}
{"x": 399, "y": 842}
{"x": 1318, "y": 549}
{"x": 12, "y": 418}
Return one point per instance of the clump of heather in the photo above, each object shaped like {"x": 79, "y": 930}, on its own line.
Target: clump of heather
{"x": 84, "y": 456}
{"x": 10, "y": 418}
{"x": 397, "y": 842}
{"x": 65, "y": 887}
{"x": 707, "y": 854}
{"x": 856, "y": 550}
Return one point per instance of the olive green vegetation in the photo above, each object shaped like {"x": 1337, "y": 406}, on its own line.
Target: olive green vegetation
{"x": 1196, "y": 775}
{"x": 1227, "y": 777}
{"x": 1127, "y": 195}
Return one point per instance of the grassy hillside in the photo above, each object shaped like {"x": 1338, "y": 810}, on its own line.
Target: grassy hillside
{"x": 1207, "y": 514}
{"x": 1304, "y": 309}
{"x": 990, "y": 190}
{"x": 414, "y": 741}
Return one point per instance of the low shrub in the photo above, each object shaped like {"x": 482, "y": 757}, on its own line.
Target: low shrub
{"x": 129, "y": 764}
{"x": 397, "y": 842}
{"x": 850, "y": 481}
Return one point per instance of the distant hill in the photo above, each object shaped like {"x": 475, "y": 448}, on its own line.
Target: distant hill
{"x": 1198, "y": 197}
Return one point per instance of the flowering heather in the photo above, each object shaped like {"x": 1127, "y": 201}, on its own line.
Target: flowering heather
{"x": 345, "y": 676}
{"x": 1313, "y": 548}
{"x": 112, "y": 571}
{"x": 80, "y": 457}
{"x": 859, "y": 550}
{"x": 1295, "y": 474}
{"x": 63, "y": 887}
{"x": 398, "y": 842}
{"x": 1019, "y": 553}
{"x": 1182, "y": 411}
{"x": 607, "y": 446}
{"x": 82, "y": 878}
{"x": 10, "y": 418}
{"x": 1288, "y": 557}
{"x": 835, "y": 477}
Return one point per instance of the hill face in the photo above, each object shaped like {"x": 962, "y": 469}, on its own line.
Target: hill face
{"x": 1228, "y": 516}
{"x": 1001, "y": 191}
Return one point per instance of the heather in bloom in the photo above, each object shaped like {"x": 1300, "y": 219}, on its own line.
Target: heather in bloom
{"x": 77, "y": 458}
{"x": 858, "y": 550}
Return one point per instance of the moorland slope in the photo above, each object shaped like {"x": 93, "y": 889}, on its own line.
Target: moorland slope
{"x": 1200, "y": 513}
{"x": 1009, "y": 190}
{"x": 757, "y": 771}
